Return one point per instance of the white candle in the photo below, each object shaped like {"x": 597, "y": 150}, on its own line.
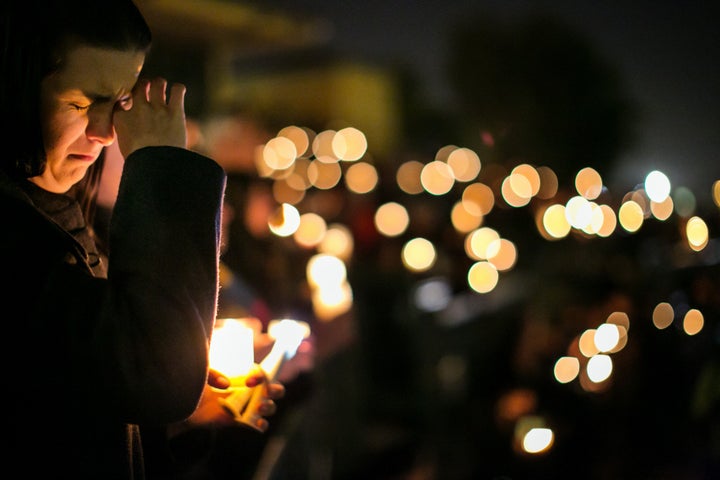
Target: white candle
{"x": 288, "y": 335}
{"x": 231, "y": 349}
{"x": 232, "y": 353}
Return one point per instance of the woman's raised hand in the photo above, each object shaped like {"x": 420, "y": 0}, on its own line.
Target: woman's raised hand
{"x": 154, "y": 117}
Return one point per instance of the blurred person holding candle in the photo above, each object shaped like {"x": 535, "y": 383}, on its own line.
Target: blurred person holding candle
{"x": 117, "y": 344}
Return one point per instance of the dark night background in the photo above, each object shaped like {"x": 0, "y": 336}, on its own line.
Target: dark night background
{"x": 667, "y": 55}
{"x": 643, "y": 80}
{"x": 623, "y": 86}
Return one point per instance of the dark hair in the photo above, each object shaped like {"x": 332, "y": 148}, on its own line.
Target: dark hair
{"x": 36, "y": 34}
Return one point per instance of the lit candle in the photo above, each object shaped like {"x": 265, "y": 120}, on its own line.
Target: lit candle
{"x": 288, "y": 335}
{"x": 231, "y": 349}
{"x": 232, "y": 354}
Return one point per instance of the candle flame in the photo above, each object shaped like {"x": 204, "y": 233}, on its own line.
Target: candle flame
{"x": 231, "y": 348}
{"x": 288, "y": 335}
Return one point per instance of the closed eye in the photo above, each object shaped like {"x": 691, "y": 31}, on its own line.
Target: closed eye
{"x": 125, "y": 103}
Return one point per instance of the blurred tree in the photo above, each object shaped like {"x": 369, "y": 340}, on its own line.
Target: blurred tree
{"x": 542, "y": 92}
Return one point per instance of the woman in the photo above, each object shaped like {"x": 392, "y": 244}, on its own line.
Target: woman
{"x": 103, "y": 346}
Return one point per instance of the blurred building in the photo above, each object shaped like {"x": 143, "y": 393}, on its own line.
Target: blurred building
{"x": 275, "y": 65}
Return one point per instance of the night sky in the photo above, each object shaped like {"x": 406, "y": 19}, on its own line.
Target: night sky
{"x": 667, "y": 54}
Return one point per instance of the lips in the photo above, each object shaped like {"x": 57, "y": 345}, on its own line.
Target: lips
{"x": 83, "y": 157}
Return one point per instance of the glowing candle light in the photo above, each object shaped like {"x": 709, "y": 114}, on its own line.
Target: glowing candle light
{"x": 231, "y": 348}
{"x": 288, "y": 335}
{"x": 232, "y": 354}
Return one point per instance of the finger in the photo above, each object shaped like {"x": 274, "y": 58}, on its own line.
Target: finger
{"x": 275, "y": 390}
{"x": 140, "y": 90}
{"x": 157, "y": 90}
{"x": 261, "y": 424}
{"x": 267, "y": 408}
{"x": 177, "y": 96}
{"x": 217, "y": 379}
{"x": 255, "y": 379}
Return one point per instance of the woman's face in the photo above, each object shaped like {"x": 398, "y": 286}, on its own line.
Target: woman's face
{"x": 77, "y": 104}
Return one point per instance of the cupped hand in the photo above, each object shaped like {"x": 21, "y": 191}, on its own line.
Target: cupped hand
{"x": 210, "y": 412}
{"x": 272, "y": 390}
{"x": 155, "y": 117}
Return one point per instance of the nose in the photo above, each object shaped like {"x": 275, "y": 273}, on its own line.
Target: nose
{"x": 100, "y": 128}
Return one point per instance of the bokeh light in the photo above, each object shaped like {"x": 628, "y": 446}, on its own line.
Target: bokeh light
{"x": 685, "y": 201}
{"x": 555, "y": 222}
{"x": 325, "y": 271}
{"x": 285, "y": 220}
{"x": 663, "y": 315}
{"x": 587, "y": 343}
{"x": 324, "y": 173}
{"x": 697, "y": 233}
{"x": 361, "y": 177}
{"x": 548, "y": 183}
{"x": 478, "y": 242}
{"x": 588, "y": 183}
{"x": 299, "y": 136}
{"x": 631, "y": 216}
{"x": 657, "y": 186}
{"x": 599, "y": 367}
{"x": 478, "y": 198}
{"x": 464, "y": 164}
{"x": 418, "y": 254}
{"x": 530, "y": 174}
{"x": 322, "y": 145}
{"x": 482, "y": 277}
{"x": 606, "y": 337}
{"x": 463, "y": 219}
{"x": 349, "y": 144}
{"x": 566, "y": 369}
{"x": 538, "y": 440}
{"x": 619, "y": 318}
{"x": 662, "y": 210}
{"x": 502, "y": 253}
{"x": 437, "y": 178}
{"x": 408, "y": 177}
{"x": 279, "y": 153}
{"x": 693, "y": 321}
{"x": 516, "y": 190}
{"x": 432, "y": 295}
{"x": 391, "y": 219}
{"x": 578, "y": 212}
{"x": 609, "y": 221}
{"x": 338, "y": 241}
{"x": 311, "y": 230}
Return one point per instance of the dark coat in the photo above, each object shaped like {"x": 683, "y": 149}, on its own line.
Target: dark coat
{"x": 87, "y": 359}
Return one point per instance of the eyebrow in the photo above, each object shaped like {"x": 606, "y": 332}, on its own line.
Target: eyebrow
{"x": 102, "y": 98}
{"x": 97, "y": 98}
